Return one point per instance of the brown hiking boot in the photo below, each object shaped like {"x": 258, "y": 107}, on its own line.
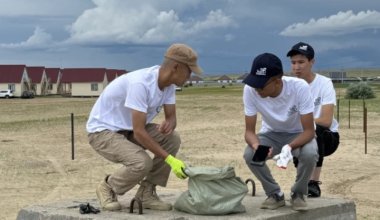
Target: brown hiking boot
{"x": 149, "y": 198}
{"x": 107, "y": 197}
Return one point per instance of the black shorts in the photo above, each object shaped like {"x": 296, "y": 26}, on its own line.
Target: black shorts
{"x": 327, "y": 141}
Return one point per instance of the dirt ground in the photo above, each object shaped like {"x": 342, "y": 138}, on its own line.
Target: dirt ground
{"x": 36, "y": 162}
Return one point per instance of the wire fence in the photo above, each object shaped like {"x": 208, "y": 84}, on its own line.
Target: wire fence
{"x": 354, "y": 112}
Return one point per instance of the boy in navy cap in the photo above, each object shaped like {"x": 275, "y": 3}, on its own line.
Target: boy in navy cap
{"x": 322, "y": 89}
{"x": 286, "y": 107}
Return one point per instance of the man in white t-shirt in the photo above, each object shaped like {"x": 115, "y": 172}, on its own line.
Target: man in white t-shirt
{"x": 121, "y": 130}
{"x": 286, "y": 108}
{"x": 302, "y": 60}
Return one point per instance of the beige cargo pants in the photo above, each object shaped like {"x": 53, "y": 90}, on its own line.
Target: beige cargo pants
{"x": 137, "y": 164}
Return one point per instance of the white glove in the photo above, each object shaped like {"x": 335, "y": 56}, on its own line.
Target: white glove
{"x": 284, "y": 157}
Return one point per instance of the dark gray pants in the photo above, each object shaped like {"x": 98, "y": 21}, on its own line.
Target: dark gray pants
{"x": 307, "y": 156}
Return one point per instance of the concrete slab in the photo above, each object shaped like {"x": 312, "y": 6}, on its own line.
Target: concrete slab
{"x": 319, "y": 208}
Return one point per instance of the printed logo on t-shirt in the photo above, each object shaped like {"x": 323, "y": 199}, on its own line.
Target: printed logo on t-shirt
{"x": 292, "y": 110}
{"x": 262, "y": 71}
{"x": 317, "y": 101}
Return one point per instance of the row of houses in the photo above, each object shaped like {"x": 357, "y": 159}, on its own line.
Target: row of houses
{"x": 44, "y": 81}
{"x": 49, "y": 81}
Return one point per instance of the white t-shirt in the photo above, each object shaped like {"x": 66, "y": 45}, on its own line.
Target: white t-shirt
{"x": 281, "y": 113}
{"x": 137, "y": 90}
{"x": 323, "y": 93}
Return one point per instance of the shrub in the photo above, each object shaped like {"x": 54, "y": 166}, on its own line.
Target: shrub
{"x": 359, "y": 90}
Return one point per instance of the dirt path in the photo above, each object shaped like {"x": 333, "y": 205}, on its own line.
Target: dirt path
{"x": 36, "y": 165}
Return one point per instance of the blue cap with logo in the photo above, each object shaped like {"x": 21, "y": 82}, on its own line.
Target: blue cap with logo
{"x": 301, "y": 48}
{"x": 264, "y": 67}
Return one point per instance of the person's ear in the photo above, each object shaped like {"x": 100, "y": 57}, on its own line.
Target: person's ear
{"x": 278, "y": 80}
{"x": 175, "y": 67}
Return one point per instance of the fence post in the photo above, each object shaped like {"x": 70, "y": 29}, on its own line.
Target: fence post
{"x": 364, "y": 115}
{"x": 365, "y": 130}
{"x": 349, "y": 113}
{"x": 337, "y": 111}
{"x": 72, "y": 136}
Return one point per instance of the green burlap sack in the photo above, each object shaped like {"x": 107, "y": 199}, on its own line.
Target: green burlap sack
{"x": 212, "y": 191}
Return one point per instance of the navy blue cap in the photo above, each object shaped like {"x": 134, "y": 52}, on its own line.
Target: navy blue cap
{"x": 264, "y": 67}
{"x": 301, "y": 48}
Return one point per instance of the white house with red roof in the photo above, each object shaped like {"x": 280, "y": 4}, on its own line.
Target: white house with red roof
{"x": 15, "y": 78}
{"x": 54, "y": 76}
{"x": 38, "y": 80}
{"x": 83, "y": 81}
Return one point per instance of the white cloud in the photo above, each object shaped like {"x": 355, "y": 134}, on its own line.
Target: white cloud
{"x": 339, "y": 24}
{"x": 39, "y": 40}
{"x": 115, "y": 21}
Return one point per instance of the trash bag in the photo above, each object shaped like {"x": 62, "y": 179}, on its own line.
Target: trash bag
{"x": 212, "y": 191}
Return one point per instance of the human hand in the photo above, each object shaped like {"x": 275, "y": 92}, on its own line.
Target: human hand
{"x": 165, "y": 128}
{"x": 284, "y": 157}
{"x": 177, "y": 166}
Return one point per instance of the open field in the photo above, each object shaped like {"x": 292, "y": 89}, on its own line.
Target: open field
{"x": 36, "y": 164}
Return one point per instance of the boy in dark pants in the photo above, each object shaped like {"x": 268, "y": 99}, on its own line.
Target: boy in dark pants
{"x": 286, "y": 107}
{"x": 302, "y": 60}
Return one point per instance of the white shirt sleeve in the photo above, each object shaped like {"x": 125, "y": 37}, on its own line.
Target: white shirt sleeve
{"x": 328, "y": 93}
{"x": 170, "y": 98}
{"x": 137, "y": 97}
{"x": 248, "y": 100}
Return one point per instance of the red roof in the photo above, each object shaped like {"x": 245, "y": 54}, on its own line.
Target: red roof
{"x": 73, "y": 75}
{"x": 52, "y": 74}
{"x": 113, "y": 73}
{"x": 11, "y": 73}
{"x": 35, "y": 73}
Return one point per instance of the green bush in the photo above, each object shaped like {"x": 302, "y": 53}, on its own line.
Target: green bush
{"x": 359, "y": 90}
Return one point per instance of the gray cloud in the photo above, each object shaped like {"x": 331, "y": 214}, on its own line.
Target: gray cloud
{"x": 116, "y": 22}
{"x": 227, "y": 34}
{"x": 334, "y": 25}
{"x": 40, "y": 39}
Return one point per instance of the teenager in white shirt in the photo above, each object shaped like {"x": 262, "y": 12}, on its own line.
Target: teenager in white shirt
{"x": 121, "y": 130}
{"x": 286, "y": 107}
{"x": 323, "y": 92}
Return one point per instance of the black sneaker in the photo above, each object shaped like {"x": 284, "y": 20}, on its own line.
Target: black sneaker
{"x": 314, "y": 190}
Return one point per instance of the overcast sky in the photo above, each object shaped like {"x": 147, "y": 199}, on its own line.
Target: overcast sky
{"x": 227, "y": 34}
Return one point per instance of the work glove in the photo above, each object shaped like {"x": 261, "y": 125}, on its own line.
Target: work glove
{"x": 282, "y": 159}
{"x": 177, "y": 166}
